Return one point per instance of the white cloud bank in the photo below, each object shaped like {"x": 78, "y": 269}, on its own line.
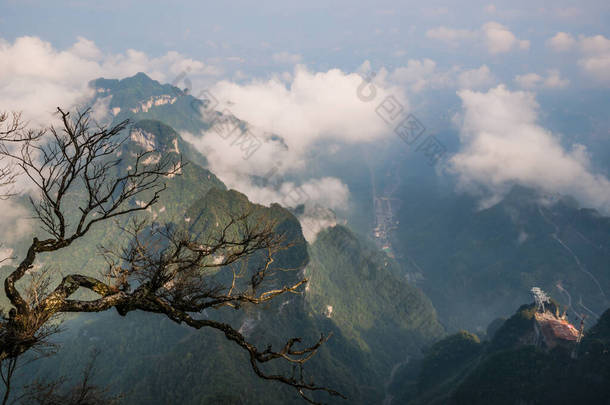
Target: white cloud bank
{"x": 309, "y": 111}
{"x": 503, "y": 145}
{"x": 313, "y": 106}
{"x": 36, "y": 78}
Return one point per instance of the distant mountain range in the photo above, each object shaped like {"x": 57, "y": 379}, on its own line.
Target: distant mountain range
{"x": 521, "y": 362}
{"x": 477, "y": 263}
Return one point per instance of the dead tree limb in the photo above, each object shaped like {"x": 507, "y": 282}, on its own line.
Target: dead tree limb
{"x": 160, "y": 270}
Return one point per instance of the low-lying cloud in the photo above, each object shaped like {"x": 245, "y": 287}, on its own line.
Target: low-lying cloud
{"x": 36, "y": 78}
{"x": 15, "y": 223}
{"x": 312, "y": 106}
{"x": 292, "y": 116}
{"x": 503, "y": 145}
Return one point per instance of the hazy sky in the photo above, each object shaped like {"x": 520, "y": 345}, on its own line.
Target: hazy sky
{"x": 256, "y": 37}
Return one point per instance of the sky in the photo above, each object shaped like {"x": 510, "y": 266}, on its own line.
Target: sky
{"x": 261, "y": 37}
{"x": 293, "y": 68}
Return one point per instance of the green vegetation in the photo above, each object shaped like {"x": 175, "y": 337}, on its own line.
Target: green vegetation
{"x": 378, "y": 319}
{"x": 441, "y": 359}
{"x": 476, "y": 263}
{"x": 129, "y": 94}
{"x": 356, "y": 286}
{"x": 509, "y": 369}
{"x": 194, "y": 367}
{"x": 479, "y": 262}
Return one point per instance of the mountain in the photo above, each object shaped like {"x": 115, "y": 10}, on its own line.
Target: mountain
{"x": 181, "y": 192}
{"x": 474, "y": 263}
{"x": 360, "y": 289}
{"x": 167, "y": 363}
{"x": 440, "y": 263}
{"x": 141, "y": 97}
{"x": 529, "y": 359}
{"x": 378, "y": 319}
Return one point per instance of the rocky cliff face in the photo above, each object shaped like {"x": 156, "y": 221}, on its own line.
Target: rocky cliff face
{"x": 553, "y": 330}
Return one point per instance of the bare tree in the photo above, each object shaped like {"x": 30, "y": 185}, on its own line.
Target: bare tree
{"x": 160, "y": 269}
{"x": 12, "y": 131}
{"x": 8, "y": 126}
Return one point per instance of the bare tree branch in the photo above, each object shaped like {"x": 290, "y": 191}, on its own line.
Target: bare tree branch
{"x": 12, "y": 129}
{"x": 162, "y": 270}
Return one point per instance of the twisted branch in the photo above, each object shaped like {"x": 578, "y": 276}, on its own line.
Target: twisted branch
{"x": 161, "y": 269}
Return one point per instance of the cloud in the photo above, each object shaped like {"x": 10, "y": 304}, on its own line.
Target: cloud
{"x": 313, "y": 220}
{"x": 287, "y": 58}
{"x": 594, "y": 51}
{"x": 304, "y": 108}
{"x": 293, "y": 118}
{"x": 495, "y": 37}
{"x": 101, "y": 109}
{"x": 529, "y": 80}
{"x": 553, "y": 80}
{"x": 500, "y": 39}
{"x": 596, "y": 57}
{"x": 561, "y": 42}
{"x": 503, "y": 145}
{"x": 311, "y": 107}
{"x": 419, "y": 75}
{"x": 598, "y": 67}
{"x": 15, "y": 223}
{"x": 36, "y": 78}
{"x": 450, "y": 35}
{"x": 476, "y": 78}
{"x": 594, "y": 45}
